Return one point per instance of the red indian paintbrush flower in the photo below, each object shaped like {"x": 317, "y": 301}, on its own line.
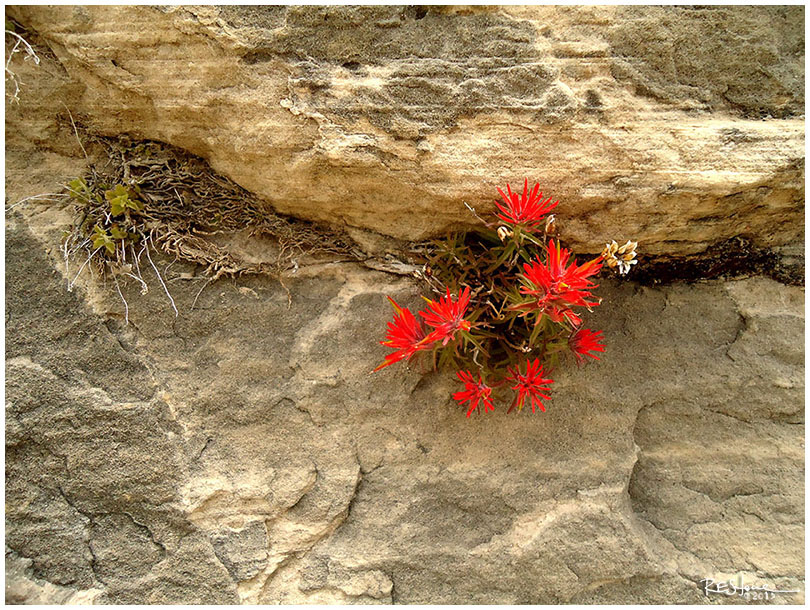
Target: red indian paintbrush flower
{"x": 556, "y": 286}
{"x": 446, "y": 316}
{"x": 531, "y": 385}
{"x": 405, "y": 334}
{"x": 528, "y": 209}
{"x": 585, "y": 341}
{"x": 474, "y": 392}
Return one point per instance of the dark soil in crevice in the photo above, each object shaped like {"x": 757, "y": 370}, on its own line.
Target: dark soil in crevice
{"x": 734, "y": 258}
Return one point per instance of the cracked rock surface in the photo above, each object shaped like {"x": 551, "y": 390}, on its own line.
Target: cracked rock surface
{"x": 244, "y": 453}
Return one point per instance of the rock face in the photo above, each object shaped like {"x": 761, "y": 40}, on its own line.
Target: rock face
{"x": 243, "y": 451}
{"x": 676, "y": 126}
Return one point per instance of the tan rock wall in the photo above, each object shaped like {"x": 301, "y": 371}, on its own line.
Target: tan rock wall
{"x": 678, "y": 127}
{"x": 242, "y": 452}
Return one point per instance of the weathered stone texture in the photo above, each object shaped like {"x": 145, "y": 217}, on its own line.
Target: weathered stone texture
{"x": 676, "y": 126}
{"x": 243, "y": 451}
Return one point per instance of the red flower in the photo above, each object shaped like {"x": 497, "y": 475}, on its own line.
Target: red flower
{"x": 446, "y": 316}
{"x": 556, "y": 286}
{"x": 528, "y": 209}
{"x": 531, "y": 384}
{"x": 585, "y": 341}
{"x": 474, "y": 392}
{"x": 405, "y": 334}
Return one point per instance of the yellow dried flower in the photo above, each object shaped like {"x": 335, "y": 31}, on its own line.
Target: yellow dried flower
{"x": 621, "y": 257}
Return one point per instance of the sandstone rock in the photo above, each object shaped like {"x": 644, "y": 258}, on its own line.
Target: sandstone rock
{"x": 676, "y": 126}
{"x": 21, "y": 588}
{"x": 243, "y": 451}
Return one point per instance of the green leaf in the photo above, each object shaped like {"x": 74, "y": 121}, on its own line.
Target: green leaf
{"x": 532, "y": 239}
{"x": 118, "y": 191}
{"x": 490, "y": 236}
{"x": 120, "y": 199}
{"x": 78, "y": 190}
{"x": 118, "y": 205}
{"x": 471, "y": 339}
{"x": 445, "y": 358}
{"x": 102, "y": 240}
{"x": 539, "y": 328}
{"x": 508, "y": 251}
{"x": 118, "y": 233}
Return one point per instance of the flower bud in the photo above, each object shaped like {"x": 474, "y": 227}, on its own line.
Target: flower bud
{"x": 504, "y": 233}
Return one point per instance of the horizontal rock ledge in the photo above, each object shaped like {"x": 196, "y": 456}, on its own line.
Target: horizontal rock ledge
{"x": 664, "y": 125}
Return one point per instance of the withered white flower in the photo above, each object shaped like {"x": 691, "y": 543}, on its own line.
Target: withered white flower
{"x": 504, "y": 233}
{"x": 620, "y": 257}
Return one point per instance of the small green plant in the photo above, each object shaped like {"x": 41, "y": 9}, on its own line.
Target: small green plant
{"x": 147, "y": 197}
{"x": 112, "y": 224}
{"x": 102, "y": 239}
{"x": 81, "y": 193}
{"x": 108, "y": 234}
